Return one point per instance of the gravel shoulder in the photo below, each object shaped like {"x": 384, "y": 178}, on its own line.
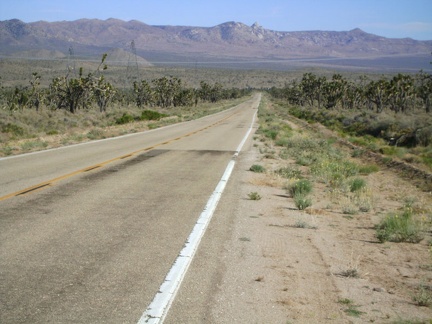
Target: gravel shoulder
{"x": 256, "y": 265}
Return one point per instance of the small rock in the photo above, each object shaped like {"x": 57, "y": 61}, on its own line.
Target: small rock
{"x": 379, "y": 289}
{"x": 406, "y": 273}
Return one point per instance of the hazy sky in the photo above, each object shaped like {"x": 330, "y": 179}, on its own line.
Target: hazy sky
{"x": 389, "y": 18}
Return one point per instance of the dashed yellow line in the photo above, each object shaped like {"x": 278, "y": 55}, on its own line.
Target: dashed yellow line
{"x": 49, "y": 183}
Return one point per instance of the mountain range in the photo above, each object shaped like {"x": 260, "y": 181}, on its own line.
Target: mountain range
{"x": 227, "y": 41}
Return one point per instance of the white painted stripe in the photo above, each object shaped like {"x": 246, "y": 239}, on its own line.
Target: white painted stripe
{"x": 158, "y": 309}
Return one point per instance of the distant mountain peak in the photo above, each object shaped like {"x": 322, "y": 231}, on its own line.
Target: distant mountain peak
{"x": 256, "y": 25}
{"x": 359, "y": 31}
{"x": 232, "y": 24}
{"x": 230, "y": 39}
{"x": 17, "y": 28}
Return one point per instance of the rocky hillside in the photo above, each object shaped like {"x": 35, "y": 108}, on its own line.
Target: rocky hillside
{"x": 229, "y": 40}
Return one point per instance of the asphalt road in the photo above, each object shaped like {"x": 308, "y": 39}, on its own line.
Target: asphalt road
{"x": 89, "y": 232}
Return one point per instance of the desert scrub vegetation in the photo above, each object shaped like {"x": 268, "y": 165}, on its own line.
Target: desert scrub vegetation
{"x": 272, "y": 127}
{"x": 390, "y": 115}
{"x": 356, "y": 184}
{"x": 300, "y": 187}
{"x": 400, "y": 227}
{"x": 303, "y": 224}
{"x": 351, "y": 308}
{"x": 317, "y": 160}
{"x": 254, "y": 195}
{"x": 299, "y": 191}
{"x": 60, "y": 127}
{"x": 289, "y": 172}
{"x": 335, "y": 170}
{"x": 78, "y": 101}
{"x": 423, "y": 296}
{"x": 257, "y": 168}
{"x": 302, "y": 201}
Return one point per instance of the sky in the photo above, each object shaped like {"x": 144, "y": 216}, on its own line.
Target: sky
{"x": 388, "y": 18}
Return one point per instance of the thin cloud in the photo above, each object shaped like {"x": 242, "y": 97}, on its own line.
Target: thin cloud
{"x": 420, "y": 27}
{"x": 417, "y": 30}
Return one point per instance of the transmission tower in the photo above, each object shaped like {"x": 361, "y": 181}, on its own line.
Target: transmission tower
{"x": 71, "y": 60}
{"x": 132, "y": 72}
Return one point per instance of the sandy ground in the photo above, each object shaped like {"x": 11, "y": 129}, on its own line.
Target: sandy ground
{"x": 333, "y": 269}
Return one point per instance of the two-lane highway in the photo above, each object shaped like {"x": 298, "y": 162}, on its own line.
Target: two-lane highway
{"x": 95, "y": 241}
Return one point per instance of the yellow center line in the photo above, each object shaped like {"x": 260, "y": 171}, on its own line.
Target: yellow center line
{"x": 102, "y": 164}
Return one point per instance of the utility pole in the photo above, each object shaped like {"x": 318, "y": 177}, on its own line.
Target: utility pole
{"x": 132, "y": 72}
{"x": 71, "y": 61}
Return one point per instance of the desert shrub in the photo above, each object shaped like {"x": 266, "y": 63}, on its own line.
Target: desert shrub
{"x": 334, "y": 171}
{"x": 356, "y": 184}
{"x": 306, "y": 158}
{"x": 13, "y": 129}
{"x": 364, "y": 201}
{"x": 303, "y": 224}
{"x": 289, "y": 172}
{"x": 283, "y": 141}
{"x": 270, "y": 133}
{"x": 254, "y": 195}
{"x": 6, "y": 150}
{"x": 275, "y": 129}
{"x": 302, "y": 201}
{"x": 33, "y": 145}
{"x": 124, "y": 119}
{"x": 352, "y": 309}
{"x": 300, "y": 187}
{"x": 423, "y": 297}
{"x": 368, "y": 168}
{"x": 382, "y": 126}
{"x": 95, "y": 133}
{"x": 257, "y": 168}
{"x": 52, "y": 132}
{"x": 347, "y": 168}
{"x": 399, "y": 227}
{"x": 393, "y": 151}
{"x": 424, "y": 136}
{"x": 151, "y": 115}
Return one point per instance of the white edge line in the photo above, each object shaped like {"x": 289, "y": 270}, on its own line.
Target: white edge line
{"x": 159, "y": 307}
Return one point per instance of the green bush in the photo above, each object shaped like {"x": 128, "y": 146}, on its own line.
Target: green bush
{"x": 151, "y": 115}
{"x": 368, "y": 169}
{"x": 257, "y": 168}
{"x": 423, "y": 297}
{"x": 52, "y": 132}
{"x": 13, "y": 129}
{"x": 334, "y": 171}
{"x": 270, "y": 133}
{"x": 254, "y": 195}
{"x": 124, "y": 119}
{"x": 300, "y": 187}
{"x": 302, "y": 202}
{"x": 356, "y": 184}
{"x": 399, "y": 228}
